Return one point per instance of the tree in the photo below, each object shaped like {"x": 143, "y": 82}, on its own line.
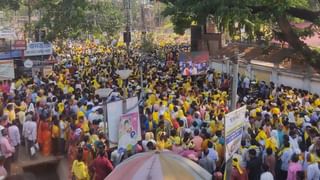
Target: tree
{"x": 147, "y": 45}
{"x": 75, "y": 18}
{"x": 251, "y": 15}
{"x": 10, "y": 4}
{"x": 63, "y": 18}
{"x": 105, "y": 17}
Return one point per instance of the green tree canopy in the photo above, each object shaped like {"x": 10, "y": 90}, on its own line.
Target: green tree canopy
{"x": 251, "y": 14}
{"x": 10, "y": 4}
{"x": 63, "y": 18}
{"x": 105, "y": 17}
{"x": 73, "y": 18}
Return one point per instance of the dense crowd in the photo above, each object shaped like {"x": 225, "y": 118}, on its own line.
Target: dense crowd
{"x": 60, "y": 114}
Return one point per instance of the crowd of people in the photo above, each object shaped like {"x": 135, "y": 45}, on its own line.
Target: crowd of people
{"x": 60, "y": 114}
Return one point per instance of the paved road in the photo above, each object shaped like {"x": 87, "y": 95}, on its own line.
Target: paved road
{"x": 43, "y": 167}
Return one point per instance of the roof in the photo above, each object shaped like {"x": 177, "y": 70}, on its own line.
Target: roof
{"x": 287, "y": 58}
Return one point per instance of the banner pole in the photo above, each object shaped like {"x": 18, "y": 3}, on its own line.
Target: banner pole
{"x": 235, "y": 69}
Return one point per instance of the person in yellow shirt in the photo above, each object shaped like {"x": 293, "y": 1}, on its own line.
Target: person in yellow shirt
{"x": 80, "y": 169}
{"x": 155, "y": 116}
{"x": 70, "y": 89}
{"x": 55, "y": 136}
{"x": 10, "y": 112}
{"x": 174, "y": 138}
{"x": 83, "y": 124}
{"x": 261, "y": 136}
{"x": 275, "y": 109}
{"x": 317, "y": 102}
{"x": 60, "y": 107}
{"x": 163, "y": 143}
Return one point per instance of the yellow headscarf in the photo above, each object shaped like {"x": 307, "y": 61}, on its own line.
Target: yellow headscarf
{"x": 261, "y": 136}
{"x": 236, "y": 164}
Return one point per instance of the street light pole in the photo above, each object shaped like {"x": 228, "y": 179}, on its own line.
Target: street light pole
{"x": 29, "y": 19}
{"x": 235, "y": 70}
{"x": 127, "y": 5}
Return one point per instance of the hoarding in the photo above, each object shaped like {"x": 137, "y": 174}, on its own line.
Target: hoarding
{"x": 6, "y": 70}
{"x": 193, "y": 63}
{"x": 38, "y": 49}
{"x": 234, "y": 122}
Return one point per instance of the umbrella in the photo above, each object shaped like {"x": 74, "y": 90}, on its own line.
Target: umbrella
{"x": 103, "y": 92}
{"x": 124, "y": 74}
{"x": 156, "y": 165}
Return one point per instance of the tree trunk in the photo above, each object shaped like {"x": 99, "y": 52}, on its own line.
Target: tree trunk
{"x": 294, "y": 41}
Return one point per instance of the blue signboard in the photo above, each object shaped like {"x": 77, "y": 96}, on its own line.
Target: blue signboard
{"x": 10, "y": 54}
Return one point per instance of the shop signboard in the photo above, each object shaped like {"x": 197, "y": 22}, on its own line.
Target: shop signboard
{"x": 19, "y": 45}
{"x": 38, "y": 49}
{"x": 6, "y": 70}
{"x": 10, "y": 54}
{"x": 234, "y": 123}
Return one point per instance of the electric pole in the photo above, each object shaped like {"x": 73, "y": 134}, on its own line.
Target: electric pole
{"x": 235, "y": 71}
{"x": 127, "y": 36}
{"x": 29, "y": 19}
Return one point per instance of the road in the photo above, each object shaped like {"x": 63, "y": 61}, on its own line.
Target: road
{"x": 42, "y": 167}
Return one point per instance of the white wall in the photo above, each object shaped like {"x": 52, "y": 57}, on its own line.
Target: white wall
{"x": 315, "y": 86}
{"x": 291, "y": 80}
{"x": 284, "y": 76}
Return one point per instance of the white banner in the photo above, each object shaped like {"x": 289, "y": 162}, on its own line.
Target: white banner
{"x": 6, "y": 70}
{"x": 38, "y": 49}
{"x": 115, "y": 111}
{"x": 234, "y": 122}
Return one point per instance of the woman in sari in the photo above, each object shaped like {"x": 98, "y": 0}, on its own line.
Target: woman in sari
{"x": 44, "y": 136}
{"x": 73, "y": 137}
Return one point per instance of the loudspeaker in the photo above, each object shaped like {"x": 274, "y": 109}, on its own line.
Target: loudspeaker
{"x": 127, "y": 37}
{"x": 36, "y": 35}
{"x": 195, "y": 45}
{"x": 196, "y": 32}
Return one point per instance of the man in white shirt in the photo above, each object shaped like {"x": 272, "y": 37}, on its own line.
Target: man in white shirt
{"x": 96, "y": 116}
{"x": 14, "y": 137}
{"x": 63, "y": 126}
{"x": 246, "y": 85}
{"x": 266, "y": 175}
{"x": 6, "y": 149}
{"x": 3, "y": 120}
{"x": 294, "y": 142}
{"x": 313, "y": 171}
{"x": 29, "y": 132}
{"x": 194, "y": 70}
{"x": 206, "y": 162}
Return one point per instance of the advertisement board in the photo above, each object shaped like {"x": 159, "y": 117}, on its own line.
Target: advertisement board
{"x": 193, "y": 63}
{"x": 38, "y": 49}
{"x": 19, "y": 45}
{"x": 115, "y": 112}
{"x": 234, "y": 122}
{"x": 6, "y": 70}
{"x": 10, "y": 54}
{"x": 128, "y": 130}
